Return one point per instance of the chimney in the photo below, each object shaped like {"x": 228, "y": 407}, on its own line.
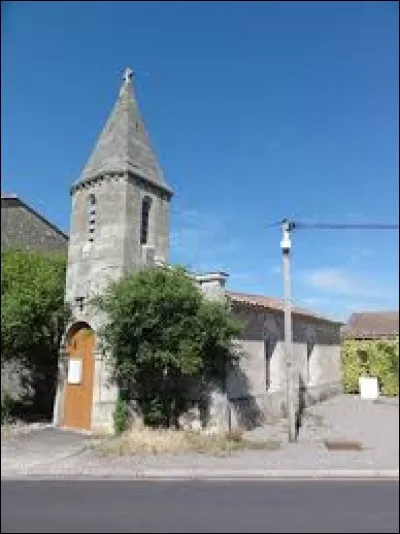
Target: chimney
{"x": 212, "y": 284}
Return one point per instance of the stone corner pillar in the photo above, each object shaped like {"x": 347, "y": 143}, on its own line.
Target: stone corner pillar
{"x": 58, "y": 409}
{"x": 105, "y": 394}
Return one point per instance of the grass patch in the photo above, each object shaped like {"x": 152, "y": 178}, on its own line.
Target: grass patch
{"x": 143, "y": 440}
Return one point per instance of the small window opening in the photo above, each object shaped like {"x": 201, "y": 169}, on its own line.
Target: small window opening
{"x": 80, "y": 302}
{"x": 144, "y": 227}
{"x": 92, "y": 216}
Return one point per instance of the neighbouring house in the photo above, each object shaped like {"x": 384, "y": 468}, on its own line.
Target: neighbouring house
{"x": 371, "y": 348}
{"x": 119, "y": 224}
{"x": 23, "y": 227}
{"x": 372, "y": 325}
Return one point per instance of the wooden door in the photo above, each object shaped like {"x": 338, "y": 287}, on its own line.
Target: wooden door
{"x": 79, "y": 387}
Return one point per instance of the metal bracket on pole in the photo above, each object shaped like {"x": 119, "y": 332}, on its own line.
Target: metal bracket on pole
{"x": 286, "y": 242}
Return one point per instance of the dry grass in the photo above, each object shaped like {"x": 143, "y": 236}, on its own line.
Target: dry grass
{"x": 16, "y": 428}
{"x": 142, "y": 440}
{"x": 5, "y": 431}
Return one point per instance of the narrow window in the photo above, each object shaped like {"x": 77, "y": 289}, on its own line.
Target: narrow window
{"x": 144, "y": 228}
{"x": 80, "y": 301}
{"x": 267, "y": 359}
{"x": 92, "y": 216}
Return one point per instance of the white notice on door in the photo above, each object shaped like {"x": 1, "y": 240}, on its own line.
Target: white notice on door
{"x": 74, "y": 371}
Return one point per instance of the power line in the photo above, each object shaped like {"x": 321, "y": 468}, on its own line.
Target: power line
{"x": 274, "y": 224}
{"x": 343, "y": 226}
{"x": 294, "y": 225}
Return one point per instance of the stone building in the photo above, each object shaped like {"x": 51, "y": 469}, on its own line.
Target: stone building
{"x": 120, "y": 223}
{"x": 24, "y": 228}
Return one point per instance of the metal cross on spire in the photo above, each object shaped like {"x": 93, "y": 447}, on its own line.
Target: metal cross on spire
{"x": 128, "y": 75}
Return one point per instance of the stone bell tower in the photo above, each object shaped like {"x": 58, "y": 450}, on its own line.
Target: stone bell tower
{"x": 120, "y": 204}
{"x": 119, "y": 224}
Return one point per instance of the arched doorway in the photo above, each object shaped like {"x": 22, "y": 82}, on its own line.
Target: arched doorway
{"x": 79, "y": 386}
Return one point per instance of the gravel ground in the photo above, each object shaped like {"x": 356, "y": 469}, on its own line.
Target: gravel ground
{"x": 346, "y": 417}
{"x": 376, "y": 425}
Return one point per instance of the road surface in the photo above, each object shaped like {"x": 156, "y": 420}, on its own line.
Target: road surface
{"x": 199, "y": 506}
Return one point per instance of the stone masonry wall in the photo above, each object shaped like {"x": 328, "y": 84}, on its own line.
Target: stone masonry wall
{"x": 253, "y": 398}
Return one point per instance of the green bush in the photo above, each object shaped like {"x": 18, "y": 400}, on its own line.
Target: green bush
{"x": 371, "y": 358}
{"x": 33, "y": 317}
{"x": 120, "y": 417}
{"x": 162, "y": 335}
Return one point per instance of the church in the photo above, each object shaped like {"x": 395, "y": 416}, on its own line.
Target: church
{"x": 120, "y": 223}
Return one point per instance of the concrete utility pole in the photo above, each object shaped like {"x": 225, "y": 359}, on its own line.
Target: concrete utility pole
{"x": 290, "y": 400}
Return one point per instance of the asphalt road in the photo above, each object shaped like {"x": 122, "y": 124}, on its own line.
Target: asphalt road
{"x": 199, "y": 506}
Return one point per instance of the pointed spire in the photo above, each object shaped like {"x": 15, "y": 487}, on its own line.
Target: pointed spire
{"x": 123, "y": 145}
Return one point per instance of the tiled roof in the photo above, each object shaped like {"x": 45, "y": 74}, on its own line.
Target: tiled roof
{"x": 272, "y": 303}
{"x": 370, "y": 325}
{"x": 123, "y": 145}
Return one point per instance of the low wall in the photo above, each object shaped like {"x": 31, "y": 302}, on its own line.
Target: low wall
{"x": 255, "y": 410}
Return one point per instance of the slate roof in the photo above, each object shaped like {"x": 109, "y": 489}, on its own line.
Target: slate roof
{"x": 124, "y": 145}
{"x": 372, "y": 325}
{"x": 272, "y": 303}
{"x": 23, "y": 227}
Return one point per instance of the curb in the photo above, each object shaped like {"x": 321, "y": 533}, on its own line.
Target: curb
{"x": 222, "y": 474}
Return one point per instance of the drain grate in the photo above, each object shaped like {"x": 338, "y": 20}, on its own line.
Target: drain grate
{"x": 343, "y": 445}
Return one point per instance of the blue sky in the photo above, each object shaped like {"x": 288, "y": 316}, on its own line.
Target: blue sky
{"x": 257, "y": 111}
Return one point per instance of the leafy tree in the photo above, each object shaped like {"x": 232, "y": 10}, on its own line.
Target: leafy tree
{"x": 162, "y": 336}
{"x": 33, "y": 316}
